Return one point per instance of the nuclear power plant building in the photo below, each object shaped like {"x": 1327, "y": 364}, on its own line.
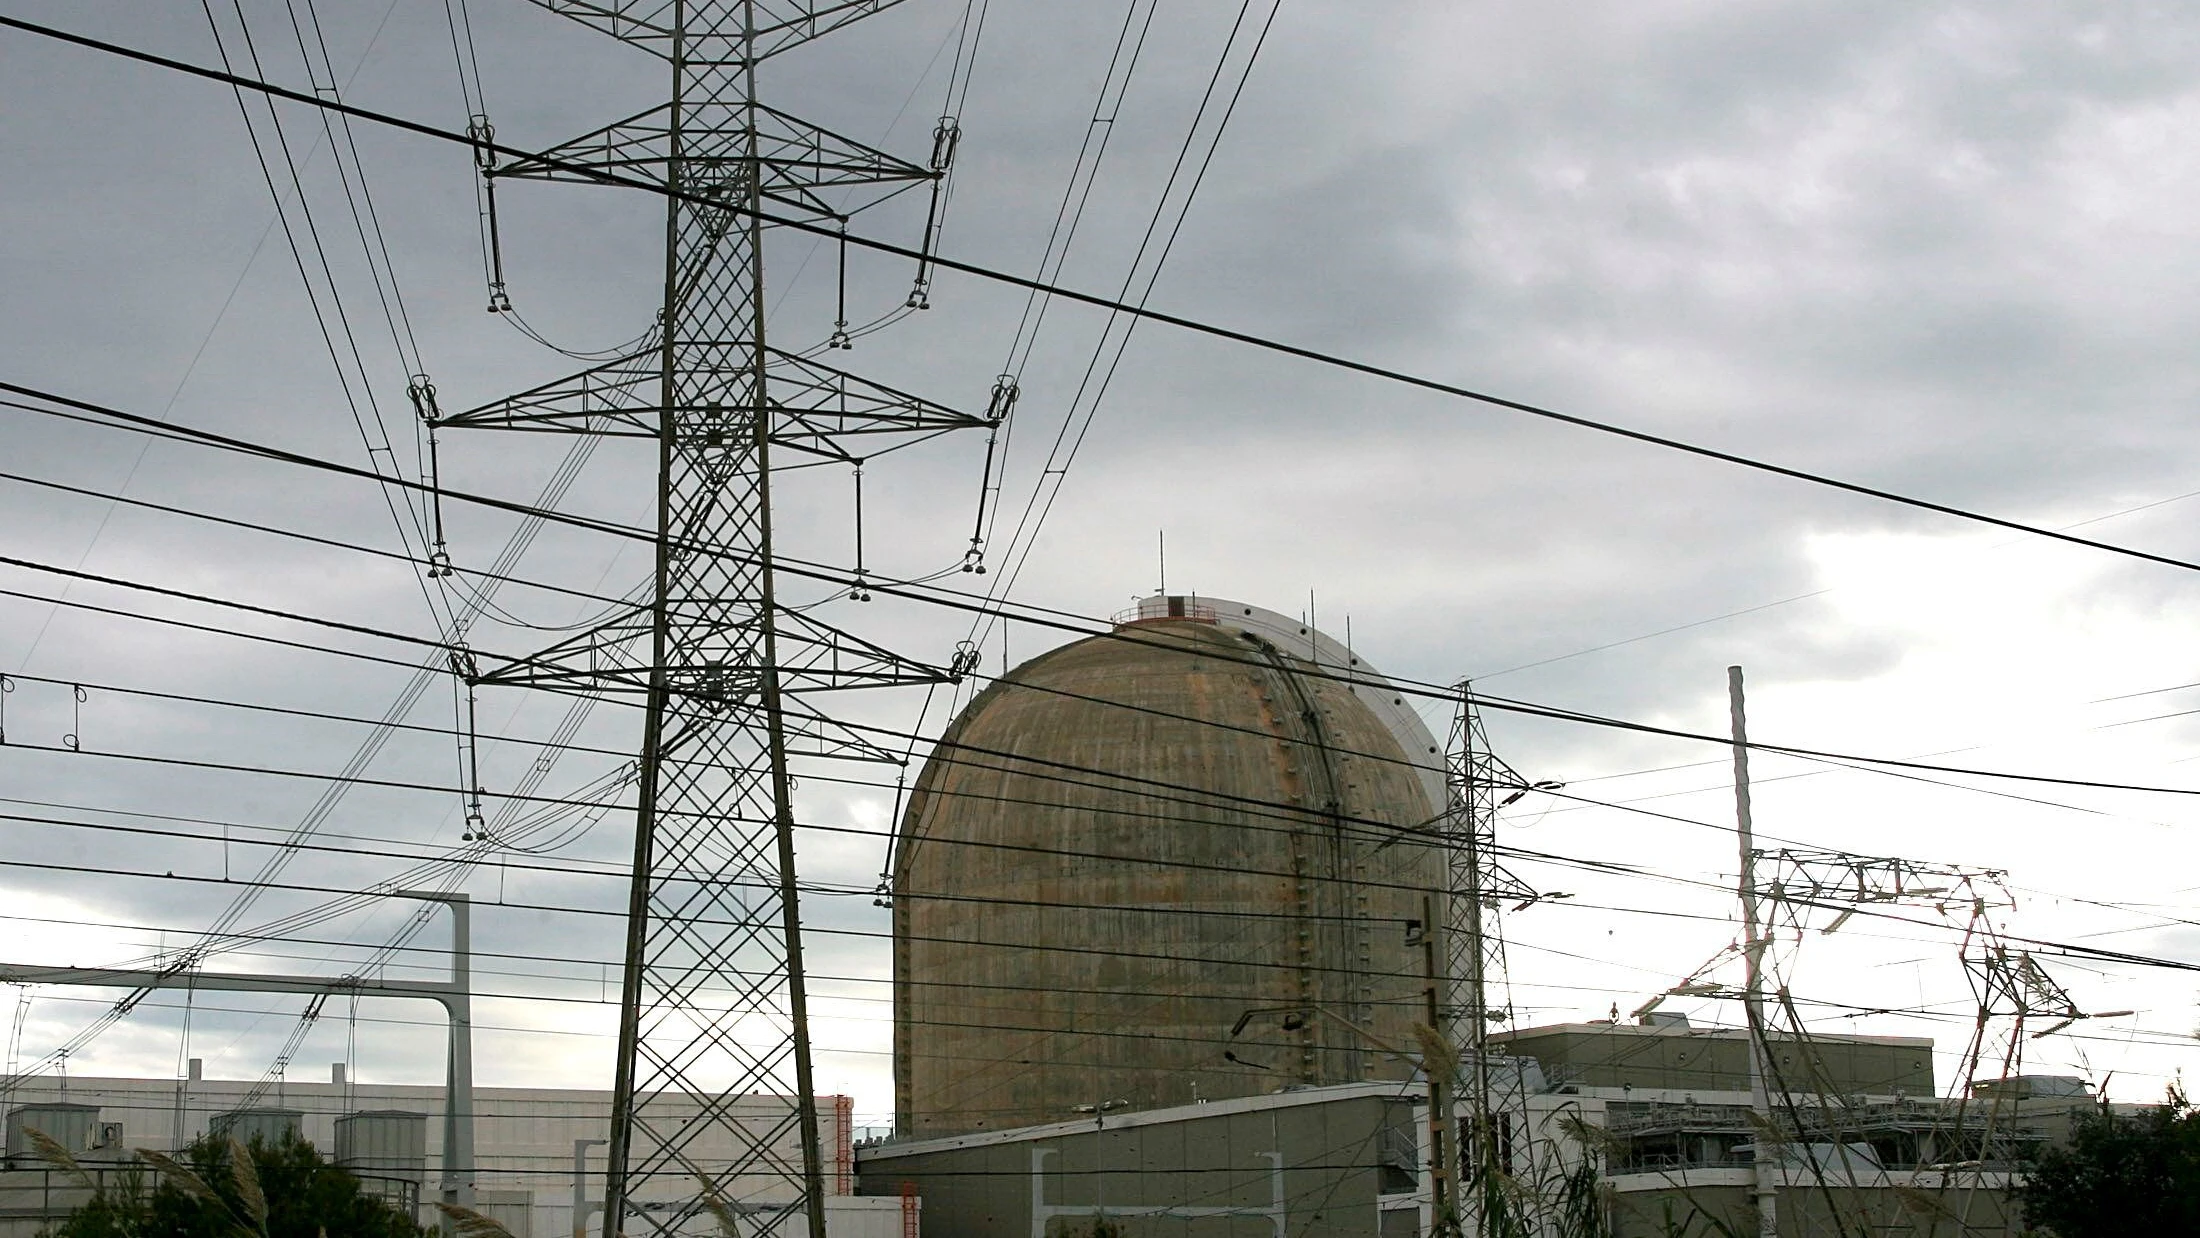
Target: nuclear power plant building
{"x": 1165, "y": 913}
{"x": 1178, "y": 862}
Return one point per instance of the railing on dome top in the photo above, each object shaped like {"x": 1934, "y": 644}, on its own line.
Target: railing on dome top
{"x": 1164, "y": 609}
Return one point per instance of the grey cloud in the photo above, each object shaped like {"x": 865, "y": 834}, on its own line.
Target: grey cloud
{"x": 1934, "y": 247}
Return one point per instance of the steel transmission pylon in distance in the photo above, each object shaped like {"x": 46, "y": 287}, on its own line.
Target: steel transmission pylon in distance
{"x": 1478, "y": 783}
{"x": 714, "y": 1108}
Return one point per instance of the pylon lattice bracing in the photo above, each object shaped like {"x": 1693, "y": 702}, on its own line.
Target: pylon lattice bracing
{"x": 1478, "y": 783}
{"x": 713, "y": 1014}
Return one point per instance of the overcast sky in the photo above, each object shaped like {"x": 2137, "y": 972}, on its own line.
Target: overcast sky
{"x": 1944, "y": 249}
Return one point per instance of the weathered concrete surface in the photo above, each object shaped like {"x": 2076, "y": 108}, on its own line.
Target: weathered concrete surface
{"x": 1313, "y": 1163}
{"x": 1122, "y": 847}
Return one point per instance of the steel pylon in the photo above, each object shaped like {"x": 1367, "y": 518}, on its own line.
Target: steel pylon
{"x": 714, "y": 1112}
{"x": 1478, "y": 782}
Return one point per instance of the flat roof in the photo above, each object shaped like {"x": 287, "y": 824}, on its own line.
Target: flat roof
{"x": 1601, "y": 1028}
{"x": 1402, "y": 1089}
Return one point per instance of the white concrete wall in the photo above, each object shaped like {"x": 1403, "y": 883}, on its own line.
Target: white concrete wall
{"x": 523, "y": 1137}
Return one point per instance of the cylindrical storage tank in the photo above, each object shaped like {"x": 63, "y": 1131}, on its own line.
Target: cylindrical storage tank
{"x": 269, "y": 1125}
{"x": 1142, "y": 852}
{"x": 386, "y": 1149}
{"x": 74, "y": 1127}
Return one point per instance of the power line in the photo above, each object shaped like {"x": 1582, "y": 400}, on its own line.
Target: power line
{"x": 1792, "y": 473}
{"x": 2066, "y": 948}
{"x": 1287, "y": 811}
{"x": 1648, "y": 913}
{"x": 435, "y": 954}
{"x": 379, "y": 436}
{"x": 1100, "y": 302}
{"x": 299, "y": 535}
{"x": 1677, "y": 819}
{"x": 1069, "y": 622}
{"x": 227, "y": 603}
{"x": 1292, "y": 814}
{"x": 1767, "y": 746}
{"x": 1052, "y": 475}
{"x": 1042, "y": 617}
{"x": 1923, "y": 1012}
{"x": 2107, "y": 955}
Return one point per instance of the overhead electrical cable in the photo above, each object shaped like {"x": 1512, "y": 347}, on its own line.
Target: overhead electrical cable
{"x": 198, "y": 354}
{"x": 2159, "y": 1037}
{"x": 302, "y": 536}
{"x": 1100, "y": 302}
{"x": 2074, "y": 949}
{"x": 1291, "y": 815}
{"x": 1069, "y": 214}
{"x": 1896, "y": 498}
{"x": 1043, "y": 688}
{"x": 1058, "y": 461}
{"x": 1084, "y": 627}
{"x": 2042, "y": 947}
{"x": 363, "y": 405}
{"x": 435, "y": 957}
{"x": 430, "y": 565}
{"x": 1298, "y": 810}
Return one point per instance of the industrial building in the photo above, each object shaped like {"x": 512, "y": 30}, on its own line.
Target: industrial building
{"x": 1124, "y": 845}
{"x": 1162, "y": 900}
{"x": 1662, "y": 1112}
{"x": 536, "y": 1150}
{"x": 1340, "y": 1161}
{"x": 1165, "y": 918}
{"x": 1649, "y": 1124}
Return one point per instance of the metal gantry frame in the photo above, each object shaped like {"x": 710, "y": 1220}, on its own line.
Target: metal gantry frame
{"x": 1816, "y": 890}
{"x": 714, "y": 1009}
{"x": 1785, "y": 893}
{"x": 455, "y": 995}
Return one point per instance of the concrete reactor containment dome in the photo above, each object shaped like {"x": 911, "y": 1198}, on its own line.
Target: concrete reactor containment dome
{"x": 1184, "y": 861}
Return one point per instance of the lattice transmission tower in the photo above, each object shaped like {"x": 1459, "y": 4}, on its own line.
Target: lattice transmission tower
{"x": 1478, "y": 783}
{"x": 713, "y": 1022}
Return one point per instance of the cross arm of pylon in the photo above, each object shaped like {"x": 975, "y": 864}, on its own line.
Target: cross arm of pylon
{"x": 1502, "y": 885}
{"x": 817, "y": 404}
{"x": 796, "y": 157}
{"x": 645, "y": 23}
{"x": 635, "y": 146}
{"x": 2044, "y": 993}
{"x": 780, "y": 25}
{"x": 814, "y": 406}
{"x": 811, "y": 734}
{"x": 1800, "y": 879}
{"x": 791, "y": 22}
{"x": 815, "y": 655}
{"x": 603, "y": 399}
{"x": 811, "y": 155}
{"x": 593, "y": 658}
{"x": 2010, "y": 984}
{"x": 1695, "y": 983}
